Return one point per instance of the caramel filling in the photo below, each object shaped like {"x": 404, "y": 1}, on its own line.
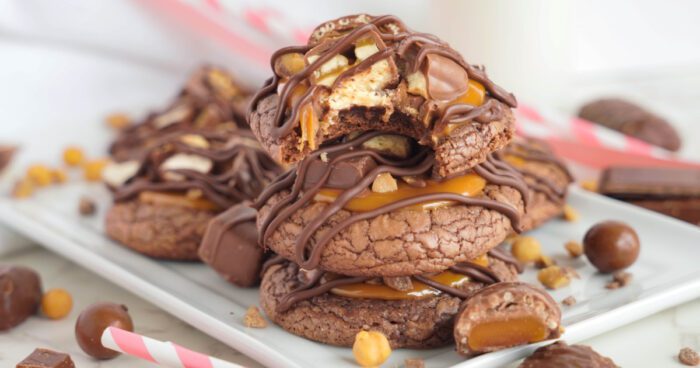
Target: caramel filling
{"x": 309, "y": 125}
{"x": 510, "y": 332}
{"x": 482, "y": 260}
{"x": 467, "y": 185}
{"x": 474, "y": 96}
{"x": 383, "y": 292}
{"x": 515, "y": 160}
{"x": 170, "y": 199}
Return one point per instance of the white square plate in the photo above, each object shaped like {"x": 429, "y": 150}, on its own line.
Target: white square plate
{"x": 666, "y": 274}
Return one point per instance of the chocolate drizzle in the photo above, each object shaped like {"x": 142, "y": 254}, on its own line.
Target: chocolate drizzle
{"x": 316, "y": 285}
{"x": 241, "y": 169}
{"x": 532, "y": 150}
{"x": 308, "y": 251}
{"x": 396, "y": 43}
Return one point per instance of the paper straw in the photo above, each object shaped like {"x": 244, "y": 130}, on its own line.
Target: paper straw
{"x": 166, "y": 354}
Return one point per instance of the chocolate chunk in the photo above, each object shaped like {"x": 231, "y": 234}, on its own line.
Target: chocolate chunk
{"x": 531, "y": 313}
{"x": 343, "y": 175}
{"x": 94, "y": 320}
{"x": 87, "y": 206}
{"x": 230, "y": 246}
{"x": 446, "y": 79}
{"x": 611, "y": 246}
{"x": 44, "y": 358}
{"x": 560, "y": 354}
{"x": 633, "y": 120}
{"x": 20, "y": 295}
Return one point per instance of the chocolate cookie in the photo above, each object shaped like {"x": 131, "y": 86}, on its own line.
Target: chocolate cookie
{"x": 164, "y": 201}
{"x": 633, "y": 120}
{"x": 560, "y": 354}
{"x": 545, "y": 174}
{"x": 211, "y": 100}
{"x": 377, "y": 226}
{"x": 360, "y": 73}
{"x": 412, "y": 314}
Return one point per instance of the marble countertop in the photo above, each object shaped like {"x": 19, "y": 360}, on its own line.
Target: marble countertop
{"x": 650, "y": 342}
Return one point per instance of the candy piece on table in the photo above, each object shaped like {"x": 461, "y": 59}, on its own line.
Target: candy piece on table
{"x": 671, "y": 191}
{"x": 73, "y": 156}
{"x": 94, "y": 320}
{"x": 56, "y": 303}
{"x": 526, "y": 249}
{"x": 45, "y": 358}
{"x": 230, "y": 246}
{"x": 633, "y": 120}
{"x": 504, "y": 315}
{"x": 560, "y": 354}
{"x": 371, "y": 348}
{"x": 86, "y": 206}
{"x": 20, "y": 295}
{"x": 6, "y": 154}
{"x": 611, "y": 246}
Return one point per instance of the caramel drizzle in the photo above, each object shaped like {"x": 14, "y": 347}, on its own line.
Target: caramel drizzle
{"x": 419, "y": 164}
{"x": 313, "y": 287}
{"x": 249, "y": 169}
{"x": 402, "y": 42}
{"x": 529, "y": 152}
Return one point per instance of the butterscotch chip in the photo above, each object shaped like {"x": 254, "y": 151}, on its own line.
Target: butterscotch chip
{"x": 526, "y": 249}
{"x": 118, "y": 121}
{"x": 689, "y": 357}
{"x": 253, "y": 318}
{"x": 569, "y": 301}
{"x": 553, "y": 277}
{"x": 570, "y": 214}
{"x": 574, "y": 248}
{"x": 414, "y": 363}
{"x": 590, "y": 185}
{"x": 23, "y": 188}
{"x": 86, "y": 206}
{"x": 544, "y": 262}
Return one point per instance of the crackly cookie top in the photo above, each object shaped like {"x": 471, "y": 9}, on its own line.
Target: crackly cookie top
{"x": 206, "y": 170}
{"x": 211, "y": 100}
{"x": 414, "y": 83}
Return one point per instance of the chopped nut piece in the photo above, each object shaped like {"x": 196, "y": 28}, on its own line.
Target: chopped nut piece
{"x": 620, "y": 279}
{"x": 222, "y": 83}
{"x": 117, "y": 173}
{"x": 324, "y": 156}
{"x": 253, "y": 318}
{"x": 569, "y": 301}
{"x": 574, "y": 248}
{"x": 570, "y": 214}
{"x": 689, "y": 357}
{"x": 371, "y": 348}
{"x": 384, "y": 183}
{"x": 365, "y": 49}
{"x": 590, "y": 185}
{"x": 389, "y": 144}
{"x": 40, "y": 175}
{"x": 23, "y": 188}
{"x": 526, "y": 249}
{"x": 59, "y": 175}
{"x": 414, "y": 363}
{"x": 402, "y": 283}
{"x": 172, "y": 116}
{"x": 195, "y": 140}
{"x": 87, "y": 206}
{"x": 185, "y": 161}
{"x": 92, "y": 170}
{"x": 414, "y": 181}
{"x": 553, "y": 277}
{"x": 544, "y": 262}
{"x": 118, "y": 121}
{"x": 73, "y": 156}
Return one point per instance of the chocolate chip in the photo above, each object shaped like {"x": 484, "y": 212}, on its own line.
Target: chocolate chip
{"x": 87, "y": 206}
{"x": 569, "y": 301}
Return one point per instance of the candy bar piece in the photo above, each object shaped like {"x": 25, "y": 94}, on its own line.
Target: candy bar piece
{"x": 674, "y": 192}
{"x": 560, "y": 354}
{"x": 20, "y": 295}
{"x": 44, "y": 358}
{"x": 343, "y": 175}
{"x": 633, "y": 120}
{"x": 503, "y": 315}
{"x": 230, "y": 246}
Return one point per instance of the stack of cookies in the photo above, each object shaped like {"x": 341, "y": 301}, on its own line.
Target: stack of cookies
{"x": 178, "y": 169}
{"x": 404, "y": 181}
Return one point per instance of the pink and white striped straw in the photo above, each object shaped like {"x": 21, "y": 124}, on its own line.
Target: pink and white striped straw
{"x": 166, "y": 354}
